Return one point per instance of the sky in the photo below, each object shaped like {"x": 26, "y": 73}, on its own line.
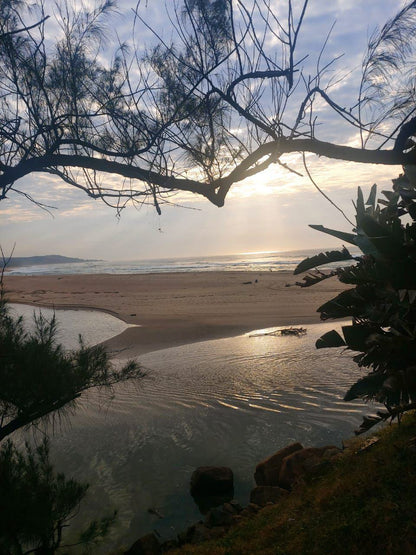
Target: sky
{"x": 267, "y": 212}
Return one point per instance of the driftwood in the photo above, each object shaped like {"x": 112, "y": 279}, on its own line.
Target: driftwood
{"x": 284, "y": 331}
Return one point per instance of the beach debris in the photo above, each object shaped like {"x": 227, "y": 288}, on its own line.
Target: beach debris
{"x": 297, "y": 332}
{"x": 247, "y": 282}
{"x": 367, "y": 444}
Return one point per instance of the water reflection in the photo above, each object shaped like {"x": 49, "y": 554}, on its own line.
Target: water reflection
{"x": 94, "y": 326}
{"x": 228, "y": 402}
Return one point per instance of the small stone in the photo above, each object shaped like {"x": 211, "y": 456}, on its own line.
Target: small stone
{"x": 218, "y": 517}
{"x": 253, "y": 507}
{"x": 228, "y": 508}
{"x": 236, "y": 505}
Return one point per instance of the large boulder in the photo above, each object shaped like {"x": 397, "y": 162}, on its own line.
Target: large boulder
{"x": 300, "y": 463}
{"x": 261, "y": 495}
{"x": 267, "y": 472}
{"x": 211, "y": 481}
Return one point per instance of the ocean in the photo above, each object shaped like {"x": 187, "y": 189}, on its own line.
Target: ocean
{"x": 259, "y": 262}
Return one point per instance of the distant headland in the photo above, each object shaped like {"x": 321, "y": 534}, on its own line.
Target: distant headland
{"x": 18, "y": 261}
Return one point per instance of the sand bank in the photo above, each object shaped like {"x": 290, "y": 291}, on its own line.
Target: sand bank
{"x": 178, "y": 308}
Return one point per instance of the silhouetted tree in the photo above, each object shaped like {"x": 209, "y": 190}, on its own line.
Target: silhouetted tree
{"x": 37, "y": 504}
{"x": 40, "y": 380}
{"x": 39, "y": 377}
{"x": 199, "y": 113}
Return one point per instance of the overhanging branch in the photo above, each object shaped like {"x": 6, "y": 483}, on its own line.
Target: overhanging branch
{"x": 218, "y": 189}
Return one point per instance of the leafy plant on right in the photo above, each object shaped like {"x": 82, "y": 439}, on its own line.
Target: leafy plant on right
{"x": 381, "y": 301}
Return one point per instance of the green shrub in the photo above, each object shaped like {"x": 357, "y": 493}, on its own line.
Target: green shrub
{"x": 382, "y": 301}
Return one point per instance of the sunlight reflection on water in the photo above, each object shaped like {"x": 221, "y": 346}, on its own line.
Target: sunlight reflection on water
{"x": 94, "y": 326}
{"x": 226, "y": 402}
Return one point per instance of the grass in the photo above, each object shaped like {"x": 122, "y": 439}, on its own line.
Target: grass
{"x": 364, "y": 503}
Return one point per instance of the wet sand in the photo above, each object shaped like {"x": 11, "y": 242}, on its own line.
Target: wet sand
{"x": 174, "y": 309}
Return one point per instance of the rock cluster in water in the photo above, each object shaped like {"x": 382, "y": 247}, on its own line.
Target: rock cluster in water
{"x": 275, "y": 477}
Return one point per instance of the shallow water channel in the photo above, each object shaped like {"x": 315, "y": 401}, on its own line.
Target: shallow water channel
{"x": 226, "y": 402}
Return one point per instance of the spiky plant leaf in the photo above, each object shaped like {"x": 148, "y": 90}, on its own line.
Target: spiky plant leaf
{"x": 346, "y": 237}
{"x": 356, "y": 336}
{"x": 365, "y": 388}
{"x": 371, "y": 201}
{"x": 330, "y": 339}
{"x": 327, "y": 257}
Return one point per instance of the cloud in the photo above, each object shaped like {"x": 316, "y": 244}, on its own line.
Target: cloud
{"x": 269, "y": 211}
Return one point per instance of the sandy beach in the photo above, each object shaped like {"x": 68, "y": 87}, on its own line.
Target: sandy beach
{"x": 174, "y": 309}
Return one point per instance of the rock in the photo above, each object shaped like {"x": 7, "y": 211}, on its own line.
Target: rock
{"x": 211, "y": 480}
{"x": 236, "y": 505}
{"x": 253, "y": 507}
{"x": 218, "y": 517}
{"x": 245, "y": 513}
{"x": 267, "y": 472}
{"x": 231, "y": 509}
{"x": 146, "y": 545}
{"x": 206, "y": 502}
{"x": 301, "y": 463}
{"x": 262, "y": 495}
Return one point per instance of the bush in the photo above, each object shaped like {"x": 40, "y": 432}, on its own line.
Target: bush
{"x": 381, "y": 303}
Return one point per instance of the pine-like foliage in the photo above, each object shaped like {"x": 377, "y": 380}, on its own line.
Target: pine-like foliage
{"x": 36, "y": 503}
{"x": 39, "y": 377}
{"x": 39, "y": 380}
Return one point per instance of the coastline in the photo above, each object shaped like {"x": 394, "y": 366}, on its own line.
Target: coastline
{"x": 173, "y": 309}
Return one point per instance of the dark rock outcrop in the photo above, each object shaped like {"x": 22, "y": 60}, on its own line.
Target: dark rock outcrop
{"x": 146, "y": 545}
{"x": 211, "y": 481}
{"x": 218, "y": 517}
{"x": 261, "y": 495}
{"x": 267, "y": 472}
{"x": 302, "y": 462}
